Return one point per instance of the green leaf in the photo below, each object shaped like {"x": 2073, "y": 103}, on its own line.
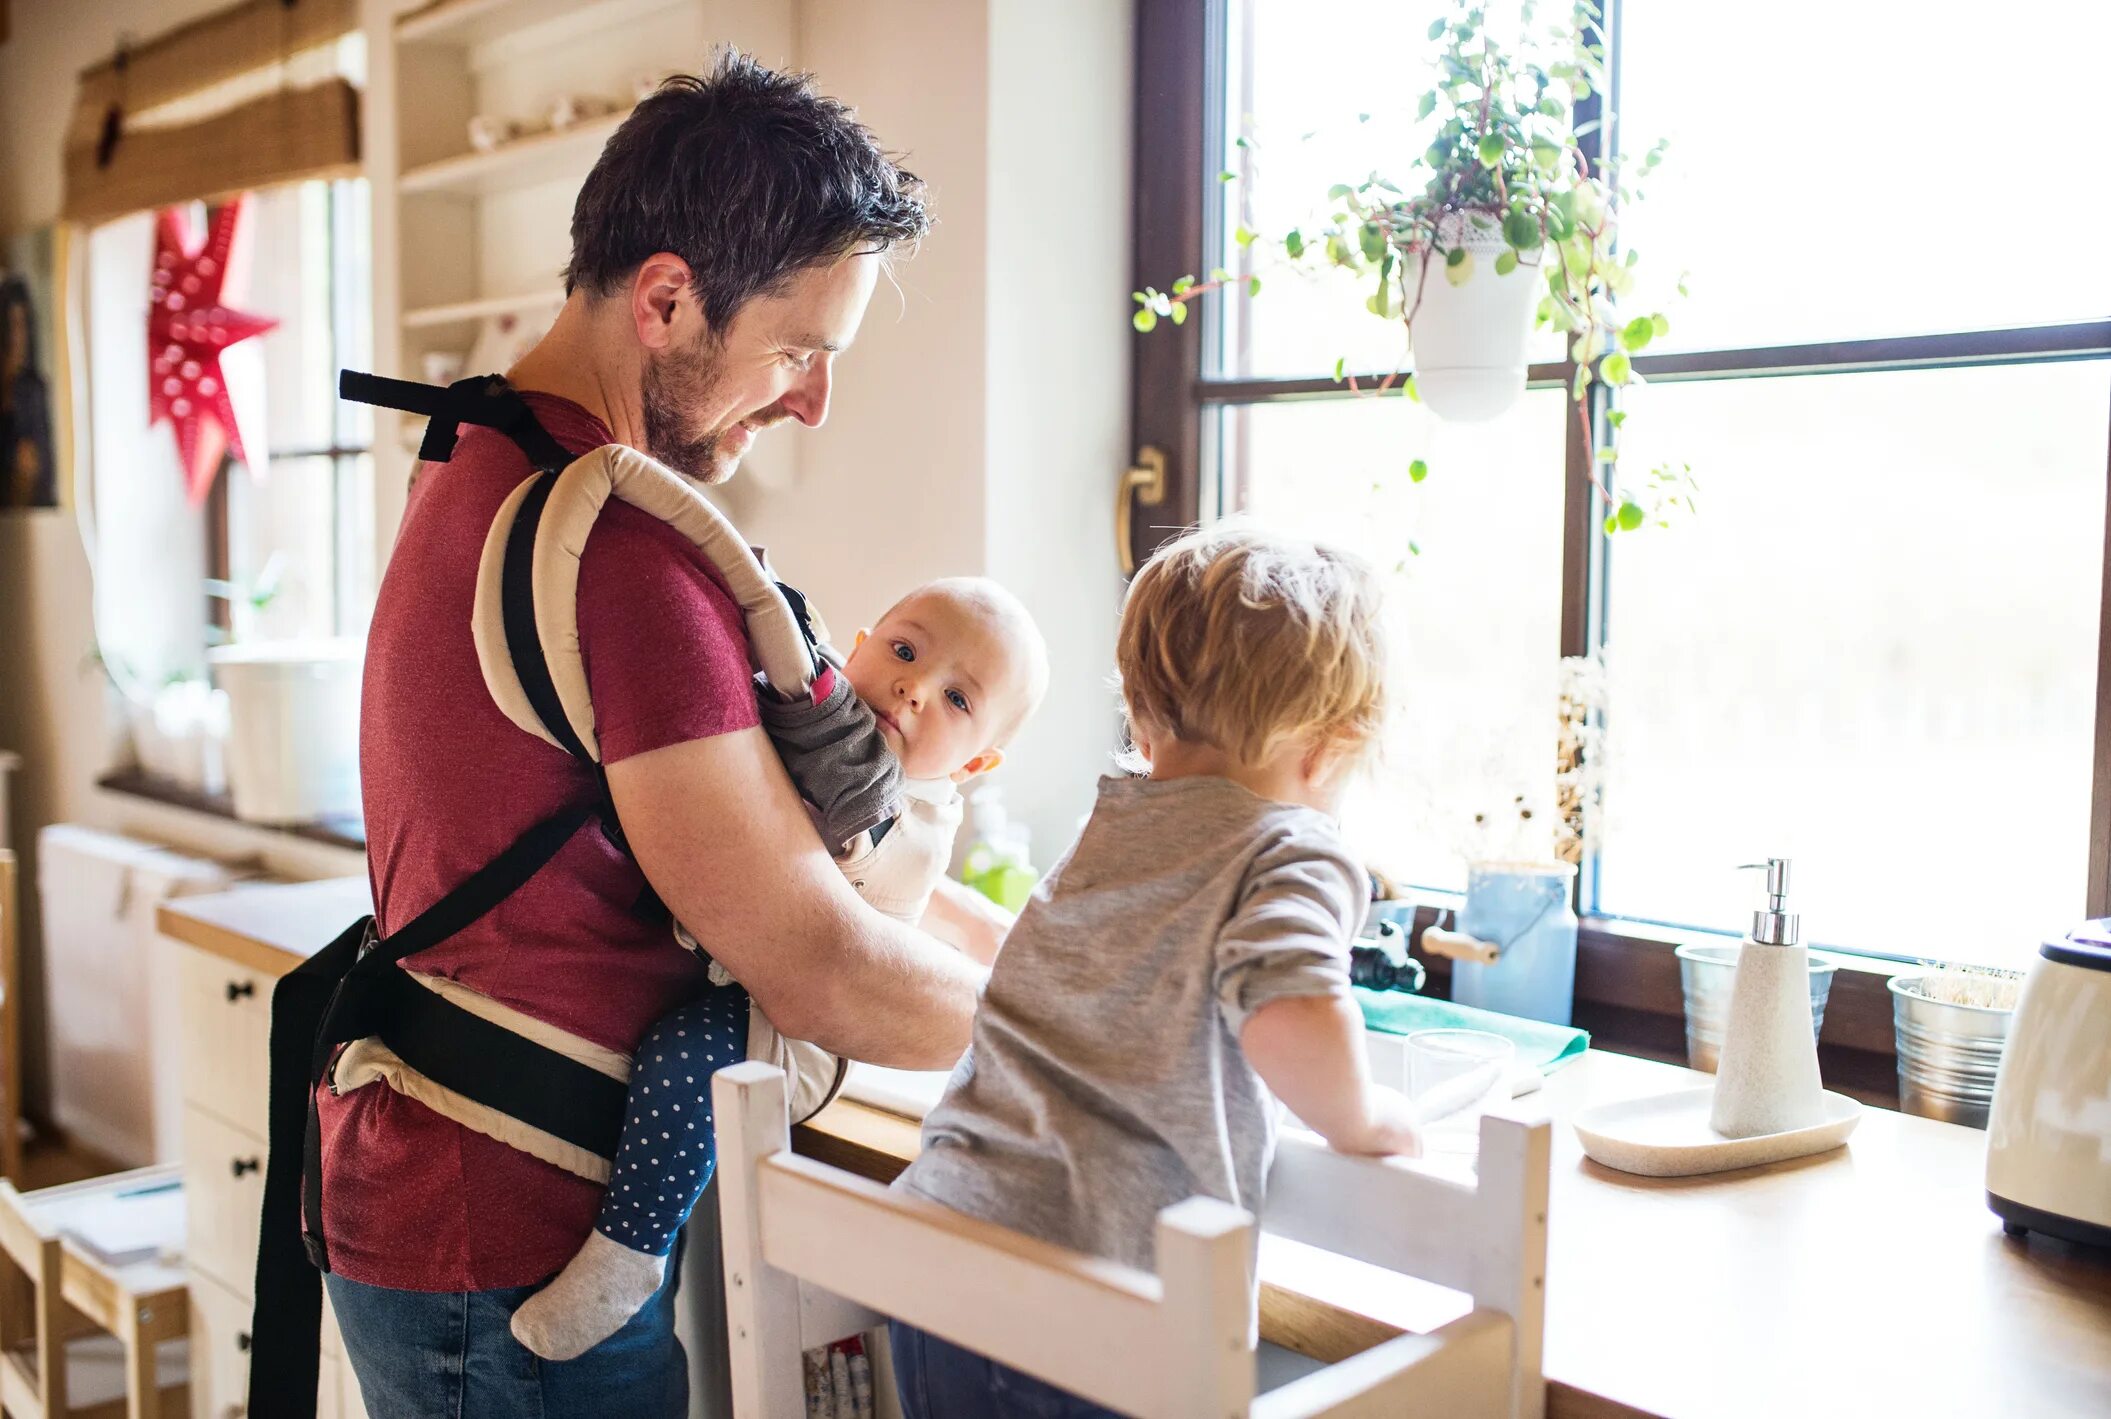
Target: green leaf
{"x": 1340, "y": 192}
{"x": 1637, "y": 333}
{"x": 1240, "y": 142}
{"x": 1631, "y": 516}
{"x": 1426, "y": 107}
{"x": 1216, "y": 273}
{"x": 1341, "y": 368}
{"x": 1184, "y": 284}
{"x": 1505, "y": 263}
{"x": 1551, "y": 107}
{"x": 1180, "y": 314}
{"x": 1407, "y": 387}
{"x": 1417, "y": 471}
{"x": 1245, "y": 235}
{"x": 1616, "y": 417}
{"x": 1145, "y": 320}
{"x": 1520, "y": 230}
{"x": 1253, "y": 286}
{"x": 1227, "y": 176}
{"x": 1612, "y": 524}
{"x": 1660, "y": 325}
{"x": 1436, "y": 29}
{"x": 1616, "y": 368}
{"x": 1140, "y": 298}
{"x": 1371, "y": 238}
{"x": 1608, "y": 454}
{"x": 1490, "y": 149}
{"x": 1581, "y": 382}
{"x": 1414, "y": 549}
{"x": 1458, "y": 266}
{"x": 1294, "y": 243}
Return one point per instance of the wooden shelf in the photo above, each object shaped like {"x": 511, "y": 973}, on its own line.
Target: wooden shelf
{"x": 522, "y": 163}
{"x": 468, "y": 312}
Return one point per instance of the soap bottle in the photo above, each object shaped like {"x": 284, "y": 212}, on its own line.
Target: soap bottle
{"x": 1767, "y": 1080}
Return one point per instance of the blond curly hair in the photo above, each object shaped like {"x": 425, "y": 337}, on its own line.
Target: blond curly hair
{"x": 1241, "y": 638}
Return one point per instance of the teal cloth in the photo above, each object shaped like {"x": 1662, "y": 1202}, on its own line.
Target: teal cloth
{"x": 1397, "y": 1013}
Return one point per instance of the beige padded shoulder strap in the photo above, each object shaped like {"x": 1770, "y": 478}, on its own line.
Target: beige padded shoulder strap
{"x": 775, "y": 642}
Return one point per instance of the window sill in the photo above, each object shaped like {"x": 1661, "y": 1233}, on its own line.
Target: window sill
{"x": 333, "y": 832}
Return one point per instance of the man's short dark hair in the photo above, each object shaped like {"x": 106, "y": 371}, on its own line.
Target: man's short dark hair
{"x": 748, "y": 175}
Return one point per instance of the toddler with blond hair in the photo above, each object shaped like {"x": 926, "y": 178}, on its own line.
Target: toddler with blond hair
{"x": 1186, "y": 965}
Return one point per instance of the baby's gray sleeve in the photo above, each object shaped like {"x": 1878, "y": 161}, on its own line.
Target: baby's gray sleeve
{"x": 836, "y": 757}
{"x": 1303, "y": 901}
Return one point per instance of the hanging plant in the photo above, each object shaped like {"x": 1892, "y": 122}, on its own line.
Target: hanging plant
{"x": 1504, "y": 226}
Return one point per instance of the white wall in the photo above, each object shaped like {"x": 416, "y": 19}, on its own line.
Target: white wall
{"x": 981, "y": 419}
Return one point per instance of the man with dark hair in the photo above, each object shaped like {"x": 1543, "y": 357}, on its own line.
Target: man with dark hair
{"x": 724, "y": 249}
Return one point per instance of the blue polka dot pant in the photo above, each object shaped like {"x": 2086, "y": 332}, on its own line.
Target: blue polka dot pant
{"x": 666, "y": 1154}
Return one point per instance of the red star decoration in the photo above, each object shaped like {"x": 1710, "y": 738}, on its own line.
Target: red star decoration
{"x": 187, "y": 331}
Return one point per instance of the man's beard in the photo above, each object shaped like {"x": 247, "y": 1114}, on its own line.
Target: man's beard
{"x": 674, "y": 383}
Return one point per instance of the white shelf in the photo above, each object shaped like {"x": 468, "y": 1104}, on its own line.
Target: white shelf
{"x": 521, "y": 163}
{"x": 472, "y": 23}
{"x": 468, "y": 22}
{"x": 466, "y": 312}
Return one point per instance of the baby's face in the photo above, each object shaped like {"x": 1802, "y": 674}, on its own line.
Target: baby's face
{"x": 945, "y": 681}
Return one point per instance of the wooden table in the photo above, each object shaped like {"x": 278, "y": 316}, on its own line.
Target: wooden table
{"x": 1871, "y": 1281}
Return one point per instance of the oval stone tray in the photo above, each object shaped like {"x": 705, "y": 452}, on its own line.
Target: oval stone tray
{"x": 1668, "y": 1135}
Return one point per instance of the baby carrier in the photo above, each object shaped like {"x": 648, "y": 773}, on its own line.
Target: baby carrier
{"x": 351, "y": 1015}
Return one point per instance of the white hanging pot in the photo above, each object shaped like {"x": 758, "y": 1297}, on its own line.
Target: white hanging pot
{"x": 1469, "y": 337}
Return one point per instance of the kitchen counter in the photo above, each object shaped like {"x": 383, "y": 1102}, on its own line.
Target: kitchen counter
{"x": 1870, "y": 1281}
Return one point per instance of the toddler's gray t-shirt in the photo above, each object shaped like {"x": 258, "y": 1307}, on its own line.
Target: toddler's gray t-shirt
{"x": 1105, "y": 1079}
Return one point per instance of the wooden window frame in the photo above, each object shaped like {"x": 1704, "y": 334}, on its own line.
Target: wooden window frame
{"x": 1627, "y": 985}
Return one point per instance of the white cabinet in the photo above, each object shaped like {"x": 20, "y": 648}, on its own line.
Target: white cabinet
{"x": 225, "y": 1035}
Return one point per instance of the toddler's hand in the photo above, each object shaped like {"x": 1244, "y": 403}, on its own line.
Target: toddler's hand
{"x": 1395, "y": 1126}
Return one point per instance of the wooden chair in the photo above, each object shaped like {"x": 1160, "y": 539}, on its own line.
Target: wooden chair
{"x": 813, "y": 1253}
{"x": 53, "y": 1291}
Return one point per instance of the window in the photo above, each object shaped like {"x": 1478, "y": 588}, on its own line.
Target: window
{"x": 294, "y": 546}
{"x": 1874, "y": 648}
{"x": 298, "y": 539}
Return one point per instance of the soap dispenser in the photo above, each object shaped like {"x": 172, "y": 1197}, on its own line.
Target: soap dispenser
{"x": 1767, "y": 1079}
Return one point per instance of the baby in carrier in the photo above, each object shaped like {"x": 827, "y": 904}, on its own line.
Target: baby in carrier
{"x": 950, "y": 673}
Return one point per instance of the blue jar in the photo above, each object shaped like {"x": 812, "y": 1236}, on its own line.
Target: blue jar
{"x": 1524, "y": 909}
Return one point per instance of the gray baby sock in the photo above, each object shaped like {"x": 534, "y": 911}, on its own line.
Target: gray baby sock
{"x": 587, "y": 1302}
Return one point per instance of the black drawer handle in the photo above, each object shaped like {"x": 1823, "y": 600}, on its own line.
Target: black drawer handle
{"x": 236, "y": 989}
{"x": 242, "y": 1340}
{"x": 246, "y": 1165}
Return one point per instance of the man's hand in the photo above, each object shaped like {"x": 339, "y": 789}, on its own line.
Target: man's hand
{"x": 724, "y": 840}
{"x": 962, "y": 917}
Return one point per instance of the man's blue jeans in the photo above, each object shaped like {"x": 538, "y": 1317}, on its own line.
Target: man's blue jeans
{"x": 939, "y": 1380}
{"x": 450, "y": 1355}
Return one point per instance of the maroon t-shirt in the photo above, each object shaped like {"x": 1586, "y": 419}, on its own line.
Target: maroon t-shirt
{"x": 412, "y": 1200}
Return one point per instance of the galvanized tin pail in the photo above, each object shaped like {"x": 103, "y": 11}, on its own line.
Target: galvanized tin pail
{"x": 1707, "y": 973}
{"x": 1948, "y": 1055}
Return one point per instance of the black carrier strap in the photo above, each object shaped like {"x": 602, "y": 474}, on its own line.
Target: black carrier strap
{"x": 354, "y": 988}
{"x": 481, "y": 399}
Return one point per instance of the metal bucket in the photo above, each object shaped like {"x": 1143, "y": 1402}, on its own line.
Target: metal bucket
{"x": 1707, "y": 973}
{"x": 1948, "y": 1054}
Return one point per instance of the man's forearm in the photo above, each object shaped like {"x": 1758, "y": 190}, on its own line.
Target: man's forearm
{"x": 895, "y": 996}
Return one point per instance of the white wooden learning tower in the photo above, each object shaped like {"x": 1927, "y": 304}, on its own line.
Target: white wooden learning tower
{"x": 814, "y": 1253}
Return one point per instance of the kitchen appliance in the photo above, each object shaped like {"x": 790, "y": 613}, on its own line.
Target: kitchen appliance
{"x": 2048, "y": 1161}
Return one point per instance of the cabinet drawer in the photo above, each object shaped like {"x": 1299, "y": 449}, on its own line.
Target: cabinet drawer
{"x": 219, "y": 1351}
{"x": 227, "y": 1040}
{"x": 223, "y": 1185}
